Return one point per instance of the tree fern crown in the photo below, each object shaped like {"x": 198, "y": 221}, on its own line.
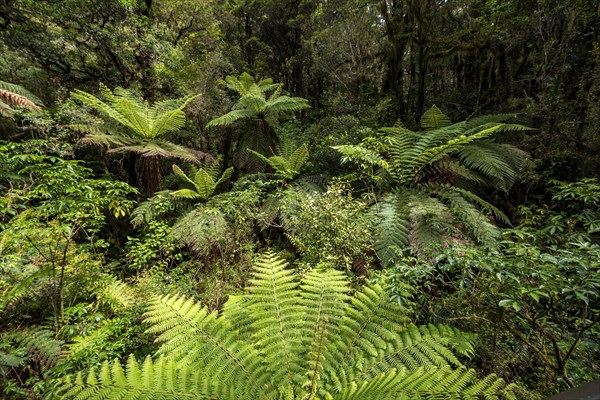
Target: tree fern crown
{"x": 436, "y": 176}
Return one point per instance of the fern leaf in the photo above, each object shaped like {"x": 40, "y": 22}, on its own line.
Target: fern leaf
{"x": 225, "y": 177}
{"x": 392, "y": 230}
{"x": 200, "y": 229}
{"x": 21, "y": 289}
{"x": 326, "y": 293}
{"x": 230, "y": 118}
{"x": 277, "y": 317}
{"x": 179, "y": 172}
{"x": 19, "y": 96}
{"x": 298, "y": 158}
{"x": 41, "y": 345}
{"x": 434, "y": 118}
{"x": 156, "y": 206}
{"x": 187, "y": 194}
{"x": 204, "y": 183}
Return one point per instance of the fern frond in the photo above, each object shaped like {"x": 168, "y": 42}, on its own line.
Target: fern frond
{"x": 102, "y": 107}
{"x": 192, "y": 336}
{"x": 147, "y": 122}
{"x": 98, "y": 135}
{"x": 187, "y": 194}
{"x": 486, "y": 159}
{"x": 288, "y": 104}
{"x": 434, "y": 118}
{"x": 483, "y": 204}
{"x": 231, "y": 117}
{"x": 158, "y": 148}
{"x": 156, "y": 206}
{"x": 325, "y": 292}
{"x": 225, "y": 176}
{"x": 115, "y": 293}
{"x": 364, "y": 335}
{"x": 392, "y": 230}
{"x": 21, "y": 289}
{"x": 168, "y": 115}
{"x": 19, "y": 96}
{"x": 429, "y": 155}
{"x": 152, "y": 380}
{"x": 277, "y": 317}
{"x": 41, "y": 345}
{"x": 200, "y": 229}
{"x": 430, "y": 219}
{"x": 286, "y": 339}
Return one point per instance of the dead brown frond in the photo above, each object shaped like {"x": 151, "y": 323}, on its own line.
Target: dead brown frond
{"x": 18, "y": 100}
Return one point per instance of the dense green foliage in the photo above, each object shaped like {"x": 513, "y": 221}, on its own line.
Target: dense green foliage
{"x": 293, "y": 340}
{"x": 150, "y": 150}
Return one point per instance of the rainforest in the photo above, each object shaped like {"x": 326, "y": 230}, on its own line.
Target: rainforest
{"x": 299, "y": 199}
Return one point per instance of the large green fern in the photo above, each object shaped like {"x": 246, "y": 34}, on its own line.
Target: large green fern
{"x": 133, "y": 125}
{"x": 205, "y": 181}
{"x": 290, "y": 339}
{"x": 262, "y": 103}
{"x": 288, "y": 161}
{"x": 436, "y": 176}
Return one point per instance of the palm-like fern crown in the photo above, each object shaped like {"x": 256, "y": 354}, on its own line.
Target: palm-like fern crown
{"x": 288, "y": 161}
{"x": 140, "y": 126}
{"x": 286, "y": 339}
{"x": 256, "y": 103}
{"x": 205, "y": 181}
{"x": 142, "y": 119}
{"x": 435, "y": 174}
{"x": 15, "y": 95}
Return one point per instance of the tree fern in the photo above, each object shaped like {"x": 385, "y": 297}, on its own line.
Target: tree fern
{"x": 262, "y": 103}
{"x": 133, "y": 125}
{"x": 435, "y": 175}
{"x": 205, "y": 180}
{"x": 288, "y": 161}
{"x": 291, "y": 339}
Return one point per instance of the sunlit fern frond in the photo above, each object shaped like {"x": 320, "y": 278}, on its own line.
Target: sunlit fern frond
{"x": 199, "y": 341}
{"x": 204, "y": 182}
{"x": 288, "y": 161}
{"x": 160, "y": 379}
{"x": 145, "y": 120}
{"x": 115, "y": 293}
{"x": 287, "y": 338}
{"x": 231, "y": 117}
{"x": 155, "y": 148}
